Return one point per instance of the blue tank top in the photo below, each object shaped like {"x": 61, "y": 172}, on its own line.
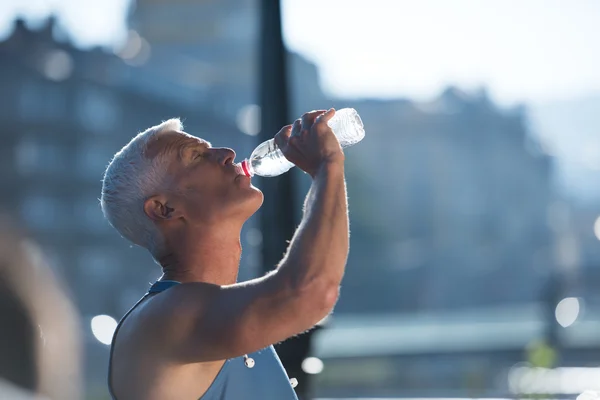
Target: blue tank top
{"x": 266, "y": 380}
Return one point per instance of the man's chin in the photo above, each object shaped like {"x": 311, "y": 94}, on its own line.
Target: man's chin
{"x": 256, "y": 192}
{"x": 253, "y": 201}
{"x": 260, "y": 198}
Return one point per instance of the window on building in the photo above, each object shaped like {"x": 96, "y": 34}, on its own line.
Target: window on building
{"x": 40, "y": 101}
{"x": 35, "y": 157}
{"x": 42, "y": 212}
{"x": 30, "y": 102}
{"x": 97, "y": 263}
{"x": 88, "y": 214}
{"x": 97, "y": 109}
{"x": 92, "y": 159}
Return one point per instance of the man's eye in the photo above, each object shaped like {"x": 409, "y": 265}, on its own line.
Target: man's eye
{"x": 197, "y": 155}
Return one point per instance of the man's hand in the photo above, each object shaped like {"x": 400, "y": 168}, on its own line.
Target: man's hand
{"x": 310, "y": 142}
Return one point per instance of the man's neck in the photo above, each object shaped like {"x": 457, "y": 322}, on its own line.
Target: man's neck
{"x": 211, "y": 256}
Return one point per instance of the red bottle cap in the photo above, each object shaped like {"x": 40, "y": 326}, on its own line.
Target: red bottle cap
{"x": 246, "y": 168}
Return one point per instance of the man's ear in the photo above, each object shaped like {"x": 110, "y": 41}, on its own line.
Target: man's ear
{"x": 158, "y": 209}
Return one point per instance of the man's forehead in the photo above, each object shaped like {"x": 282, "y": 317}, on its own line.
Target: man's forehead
{"x": 165, "y": 141}
{"x": 184, "y": 137}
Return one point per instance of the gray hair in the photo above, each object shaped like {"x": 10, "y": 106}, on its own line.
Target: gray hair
{"x": 129, "y": 179}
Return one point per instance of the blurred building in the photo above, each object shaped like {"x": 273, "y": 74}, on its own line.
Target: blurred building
{"x": 578, "y": 226}
{"x": 64, "y": 113}
{"x": 467, "y": 193}
{"x": 208, "y": 46}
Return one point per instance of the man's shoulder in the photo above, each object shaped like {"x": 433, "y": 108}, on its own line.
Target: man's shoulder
{"x": 138, "y": 323}
{"x": 160, "y": 315}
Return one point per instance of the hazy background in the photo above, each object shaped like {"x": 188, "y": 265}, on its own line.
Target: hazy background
{"x": 474, "y": 197}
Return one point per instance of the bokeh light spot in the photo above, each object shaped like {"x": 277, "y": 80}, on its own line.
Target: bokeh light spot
{"x": 597, "y": 228}
{"x": 103, "y": 328}
{"x": 312, "y": 365}
{"x": 567, "y": 311}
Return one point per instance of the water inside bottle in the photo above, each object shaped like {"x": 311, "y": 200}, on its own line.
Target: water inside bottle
{"x": 268, "y": 160}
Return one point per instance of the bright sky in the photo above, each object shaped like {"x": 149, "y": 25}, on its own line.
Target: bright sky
{"x": 89, "y": 22}
{"x": 522, "y": 50}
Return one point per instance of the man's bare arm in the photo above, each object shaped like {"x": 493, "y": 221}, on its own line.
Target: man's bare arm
{"x": 318, "y": 252}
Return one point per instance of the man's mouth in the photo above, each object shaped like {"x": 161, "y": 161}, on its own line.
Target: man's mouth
{"x": 238, "y": 169}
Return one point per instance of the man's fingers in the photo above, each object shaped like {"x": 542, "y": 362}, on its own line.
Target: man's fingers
{"x": 283, "y": 136}
{"x": 308, "y": 119}
{"x": 297, "y": 127}
{"x": 293, "y": 141}
{"x": 323, "y": 118}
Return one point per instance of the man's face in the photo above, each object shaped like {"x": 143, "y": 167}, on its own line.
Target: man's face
{"x": 202, "y": 182}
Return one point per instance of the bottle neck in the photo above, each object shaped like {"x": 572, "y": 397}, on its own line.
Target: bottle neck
{"x": 247, "y": 168}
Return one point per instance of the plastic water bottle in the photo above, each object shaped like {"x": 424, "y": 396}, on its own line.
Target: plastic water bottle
{"x": 268, "y": 160}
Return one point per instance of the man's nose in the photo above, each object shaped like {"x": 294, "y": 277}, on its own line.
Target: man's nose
{"x": 225, "y": 155}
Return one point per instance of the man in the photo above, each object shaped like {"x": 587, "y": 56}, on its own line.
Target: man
{"x": 197, "y": 333}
